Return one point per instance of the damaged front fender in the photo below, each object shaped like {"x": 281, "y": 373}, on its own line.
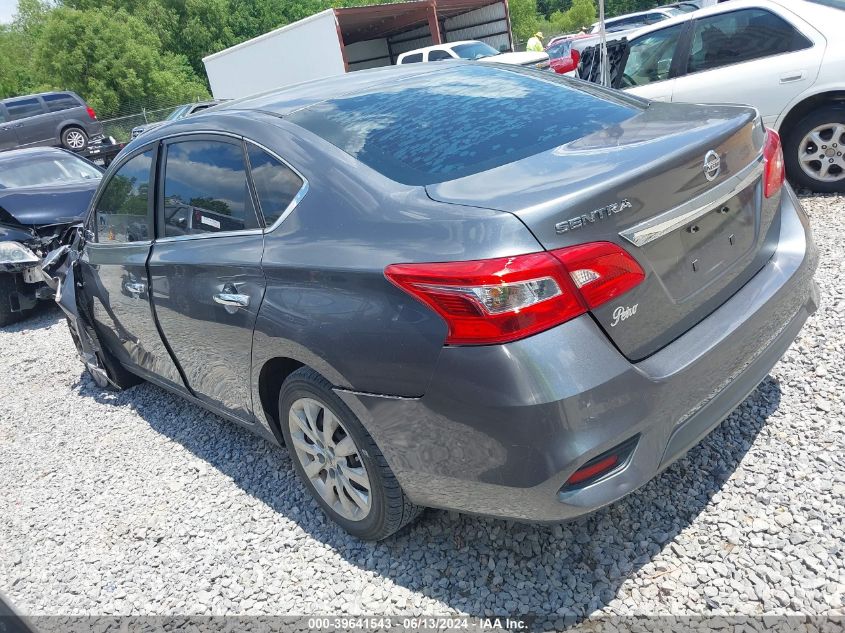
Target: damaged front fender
{"x": 60, "y": 269}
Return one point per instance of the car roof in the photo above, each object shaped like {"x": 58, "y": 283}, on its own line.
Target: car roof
{"x": 635, "y": 14}
{"x": 41, "y": 94}
{"x": 15, "y": 154}
{"x": 801, "y": 8}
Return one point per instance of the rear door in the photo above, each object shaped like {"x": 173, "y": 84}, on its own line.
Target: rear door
{"x": 114, "y": 269}
{"x": 752, "y": 56}
{"x": 31, "y": 121}
{"x": 652, "y": 63}
{"x": 205, "y": 267}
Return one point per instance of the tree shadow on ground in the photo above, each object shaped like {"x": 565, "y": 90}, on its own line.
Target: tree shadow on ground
{"x": 477, "y": 565}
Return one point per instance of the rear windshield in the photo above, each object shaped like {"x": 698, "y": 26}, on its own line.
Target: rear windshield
{"x": 453, "y": 123}
{"x": 37, "y": 171}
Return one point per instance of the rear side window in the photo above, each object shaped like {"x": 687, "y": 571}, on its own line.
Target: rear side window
{"x": 275, "y": 183}
{"x": 23, "y": 108}
{"x": 741, "y": 36}
{"x": 122, "y": 208}
{"x": 205, "y": 189}
{"x": 412, "y": 59}
{"x": 438, "y": 56}
{"x": 59, "y": 102}
{"x": 455, "y": 122}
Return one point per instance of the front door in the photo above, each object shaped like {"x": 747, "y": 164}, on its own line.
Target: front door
{"x": 205, "y": 267}
{"x": 114, "y": 272}
{"x": 651, "y": 63}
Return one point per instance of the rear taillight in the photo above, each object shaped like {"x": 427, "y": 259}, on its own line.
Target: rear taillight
{"x": 576, "y": 57}
{"x": 499, "y": 300}
{"x": 91, "y": 113}
{"x": 773, "y": 175}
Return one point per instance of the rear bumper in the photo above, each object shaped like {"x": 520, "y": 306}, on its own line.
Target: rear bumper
{"x": 501, "y": 428}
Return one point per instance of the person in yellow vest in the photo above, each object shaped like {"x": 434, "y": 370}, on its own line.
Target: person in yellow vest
{"x": 535, "y": 43}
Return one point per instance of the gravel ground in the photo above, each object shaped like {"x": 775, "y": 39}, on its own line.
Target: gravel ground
{"x": 139, "y": 503}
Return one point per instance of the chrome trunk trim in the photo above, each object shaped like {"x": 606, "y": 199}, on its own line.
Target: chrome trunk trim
{"x": 673, "y": 219}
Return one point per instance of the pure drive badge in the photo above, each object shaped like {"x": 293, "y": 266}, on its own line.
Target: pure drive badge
{"x": 592, "y": 217}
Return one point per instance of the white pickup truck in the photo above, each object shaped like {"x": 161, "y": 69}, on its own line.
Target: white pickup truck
{"x": 473, "y": 50}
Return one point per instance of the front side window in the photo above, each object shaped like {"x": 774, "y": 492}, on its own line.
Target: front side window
{"x": 741, "y": 36}
{"x": 275, "y": 183}
{"x": 122, "y": 209}
{"x": 205, "y": 189}
{"x": 23, "y": 108}
{"x": 650, "y": 57}
{"x": 59, "y": 102}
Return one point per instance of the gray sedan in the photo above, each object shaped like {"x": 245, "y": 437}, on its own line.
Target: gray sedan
{"x": 454, "y": 285}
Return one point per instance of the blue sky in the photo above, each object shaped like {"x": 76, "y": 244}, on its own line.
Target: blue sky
{"x": 7, "y": 8}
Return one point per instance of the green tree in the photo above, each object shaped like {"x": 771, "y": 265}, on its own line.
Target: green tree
{"x": 582, "y": 13}
{"x": 524, "y": 18}
{"x": 112, "y": 58}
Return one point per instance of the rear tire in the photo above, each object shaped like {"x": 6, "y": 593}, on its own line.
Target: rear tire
{"x": 344, "y": 475}
{"x": 9, "y": 285}
{"x": 814, "y": 150}
{"x": 74, "y": 138}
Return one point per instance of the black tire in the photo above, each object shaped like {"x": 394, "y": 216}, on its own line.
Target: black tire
{"x": 118, "y": 377}
{"x": 8, "y": 285}
{"x": 792, "y": 141}
{"x": 390, "y": 509}
{"x": 74, "y": 138}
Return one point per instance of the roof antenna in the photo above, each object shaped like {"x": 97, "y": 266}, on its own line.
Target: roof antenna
{"x": 604, "y": 70}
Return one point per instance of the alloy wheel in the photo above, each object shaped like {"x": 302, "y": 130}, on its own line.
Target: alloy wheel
{"x": 330, "y": 458}
{"x": 75, "y": 139}
{"x": 821, "y": 153}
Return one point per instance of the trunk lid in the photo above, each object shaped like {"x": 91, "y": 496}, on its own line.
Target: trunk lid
{"x": 699, "y": 233}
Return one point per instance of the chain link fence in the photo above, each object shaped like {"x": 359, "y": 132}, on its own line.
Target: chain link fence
{"x": 121, "y": 127}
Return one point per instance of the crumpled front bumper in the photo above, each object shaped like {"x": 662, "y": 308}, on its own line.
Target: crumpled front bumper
{"x": 501, "y": 428}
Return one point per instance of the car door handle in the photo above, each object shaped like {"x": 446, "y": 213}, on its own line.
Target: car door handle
{"x": 231, "y": 300}
{"x": 790, "y": 77}
{"x": 135, "y": 287}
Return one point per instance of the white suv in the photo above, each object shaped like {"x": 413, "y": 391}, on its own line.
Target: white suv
{"x": 784, "y": 57}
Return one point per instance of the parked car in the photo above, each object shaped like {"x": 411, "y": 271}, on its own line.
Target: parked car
{"x": 43, "y": 191}
{"x": 474, "y": 51}
{"x": 635, "y": 20}
{"x": 49, "y": 118}
{"x": 179, "y": 113}
{"x": 784, "y": 57}
{"x": 563, "y": 58}
{"x": 527, "y": 323}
